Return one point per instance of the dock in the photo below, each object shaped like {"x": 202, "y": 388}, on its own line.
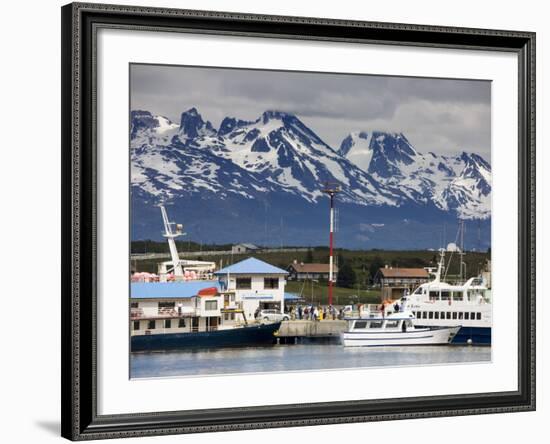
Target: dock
{"x": 295, "y": 330}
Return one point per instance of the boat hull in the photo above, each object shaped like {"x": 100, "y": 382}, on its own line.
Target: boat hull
{"x": 420, "y": 336}
{"x": 263, "y": 334}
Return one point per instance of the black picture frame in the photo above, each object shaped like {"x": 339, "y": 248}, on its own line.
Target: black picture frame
{"x": 79, "y": 211}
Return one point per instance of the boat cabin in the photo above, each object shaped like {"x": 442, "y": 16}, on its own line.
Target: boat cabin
{"x": 382, "y": 324}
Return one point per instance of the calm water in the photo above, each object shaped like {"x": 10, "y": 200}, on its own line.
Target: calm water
{"x": 295, "y": 357}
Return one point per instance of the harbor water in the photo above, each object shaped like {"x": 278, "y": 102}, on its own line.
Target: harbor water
{"x": 299, "y": 357}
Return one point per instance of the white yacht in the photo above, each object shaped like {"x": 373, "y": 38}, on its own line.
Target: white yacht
{"x": 395, "y": 329}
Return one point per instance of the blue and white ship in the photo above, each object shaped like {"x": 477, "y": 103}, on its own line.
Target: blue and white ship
{"x": 191, "y": 305}
{"x": 439, "y": 304}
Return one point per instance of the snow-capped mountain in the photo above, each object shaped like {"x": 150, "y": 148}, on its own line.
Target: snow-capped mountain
{"x": 461, "y": 183}
{"x": 276, "y": 162}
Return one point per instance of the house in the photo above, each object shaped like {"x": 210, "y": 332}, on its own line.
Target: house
{"x": 255, "y": 284}
{"x": 394, "y": 282}
{"x": 244, "y": 248}
{"x": 298, "y": 271}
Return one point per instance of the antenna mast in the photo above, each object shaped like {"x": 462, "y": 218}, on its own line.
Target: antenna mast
{"x": 331, "y": 189}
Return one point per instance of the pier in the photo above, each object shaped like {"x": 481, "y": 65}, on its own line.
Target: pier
{"x": 311, "y": 329}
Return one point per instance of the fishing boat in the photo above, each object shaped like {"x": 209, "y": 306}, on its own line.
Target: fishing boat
{"x": 440, "y": 304}
{"x": 395, "y": 329}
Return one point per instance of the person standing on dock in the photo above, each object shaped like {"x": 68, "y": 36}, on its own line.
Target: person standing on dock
{"x": 300, "y": 312}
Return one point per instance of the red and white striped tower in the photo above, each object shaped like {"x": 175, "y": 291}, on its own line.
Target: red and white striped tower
{"x": 331, "y": 190}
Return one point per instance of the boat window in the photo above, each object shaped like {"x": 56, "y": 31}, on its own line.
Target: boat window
{"x": 226, "y": 316}
{"x": 168, "y": 323}
{"x": 434, "y": 295}
{"x": 151, "y": 325}
{"x": 243, "y": 283}
{"x": 232, "y": 316}
{"x": 424, "y": 315}
{"x": 478, "y": 316}
{"x": 211, "y": 305}
{"x": 418, "y": 291}
{"x": 467, "y": 315}
{"x": 136, "y": 325}
{"x": 472, "y": 316}
{"x": 460, "y": 315}
{"x": 360, "y": 324}
{"x": 134, "y": 305}
{"x": 167, "y": 305}
{"x": 458, "y": 296}
{"x": 375, "y": 324}
{"x": 392, "y": 324}
{"x": 436, "y": 315}
{"x": 431, "y": 315}
{"x": 445, "y": 295}
{"x": 181, "y": 323}
{"x": 448, "y": 315}
{"x": 454, "y": 315}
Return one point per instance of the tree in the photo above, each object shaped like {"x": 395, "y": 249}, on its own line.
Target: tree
{"x": 346, "y": 276}
{"x": 375, "y": 265}
{"x": 308, "y": 259}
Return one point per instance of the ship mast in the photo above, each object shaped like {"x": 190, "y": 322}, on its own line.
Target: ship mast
{"x": 170, "y": 236}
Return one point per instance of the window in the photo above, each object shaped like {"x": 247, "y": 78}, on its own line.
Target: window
{"x": 226, "y": 316}
{"x": 375, "y": 324}
{"x": 418, "y": 290}
{"x": 360, "y": 324}
{"x": 271, "y": 282}
{"x": 244, "y": 283}
{"x": 392, "y": 324}
{"x": 211, "y": 305}
{"x": 436, "y": 315}
{"x": 136, "y": 325}
{"x": 424, "y": 315}
{"x": 434, "y": 295}
{"x": 460, "y": 315}
{"x": 448, "y": 315}
{"x": 167, "y": 305}
{"x": 151, "y": 325}
{"x": 168, "y": 323}
{"x": 454, "y": 315}
{"x": 445, "y": 295}
{"x": 478, "y": 316}
{"x": 431, "y": 315}
{"x": 134, "y": 305}
{"x": 458, "y": 296}
{"x": 232, "y": 316}
{"x": 467, "y": 315}
{"x": 181, "y": 323}
{"x": 472, "y": 316}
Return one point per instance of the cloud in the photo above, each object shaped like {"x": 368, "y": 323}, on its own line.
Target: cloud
{"x": 440, "y": 115}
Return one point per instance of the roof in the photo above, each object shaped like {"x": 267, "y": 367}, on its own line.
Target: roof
{"x": 251, "y": 266}
{"x": 169, "y": 290}
{"x": 404, "y": 272}
{"x": 313, "y": 268}
{"x": 292, "y": 297}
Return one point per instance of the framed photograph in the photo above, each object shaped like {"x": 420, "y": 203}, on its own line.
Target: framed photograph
{"x": 279, "y": 221}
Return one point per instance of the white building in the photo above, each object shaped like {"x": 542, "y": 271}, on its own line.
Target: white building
{"x": 255, "y": 284}
{"x": 244, "y": 248}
